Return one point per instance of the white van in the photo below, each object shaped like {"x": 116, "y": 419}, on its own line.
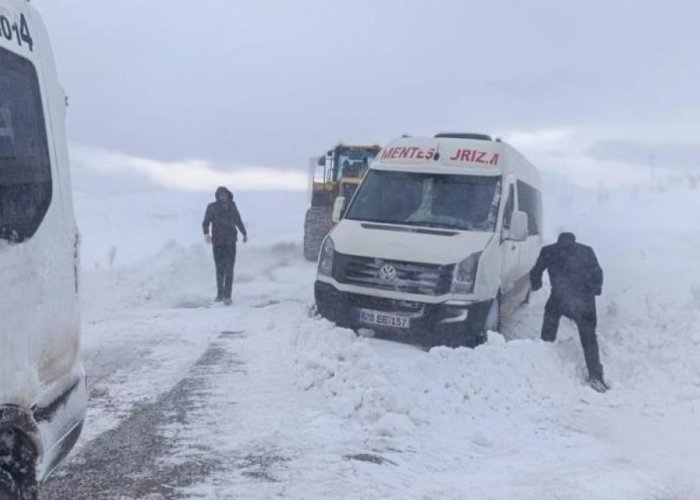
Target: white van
{"x": 43, "y": 393}
{"x": 438, "y": 240}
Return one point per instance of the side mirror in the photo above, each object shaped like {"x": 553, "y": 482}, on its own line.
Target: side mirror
{"x": 338, "y": 209}
{"x": 322, "y": 161}
{"x": 519, "y": 223}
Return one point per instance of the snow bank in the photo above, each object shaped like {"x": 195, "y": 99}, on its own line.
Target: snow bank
{"x": 412, "y": 387}
{"x": 490, "y": 421}
{"x": 518, "y": 395}
{"x": 125, "y": 220}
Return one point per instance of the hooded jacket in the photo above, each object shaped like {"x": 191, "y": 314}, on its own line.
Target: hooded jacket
{"x": 224, "y": 219}
{"x": 574, "y": 273}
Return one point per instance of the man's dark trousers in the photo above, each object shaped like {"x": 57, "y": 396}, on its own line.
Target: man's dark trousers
{"x": 225, "y": 259}
{"x": 585, "y": 317}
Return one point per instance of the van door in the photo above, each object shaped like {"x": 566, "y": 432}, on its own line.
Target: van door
{"x": 530, "y": 201}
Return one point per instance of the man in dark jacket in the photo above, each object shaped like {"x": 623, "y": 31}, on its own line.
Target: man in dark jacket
{"x": 576, "y": 279}
{"x": 225, "y": 222}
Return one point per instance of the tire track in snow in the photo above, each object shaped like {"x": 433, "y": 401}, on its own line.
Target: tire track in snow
{"x": 129, "y": 460}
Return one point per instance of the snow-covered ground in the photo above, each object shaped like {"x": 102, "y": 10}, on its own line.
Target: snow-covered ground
{"x": 262, "y": 400}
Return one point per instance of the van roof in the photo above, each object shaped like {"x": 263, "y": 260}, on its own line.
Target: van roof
{"x": 455, "y": 155}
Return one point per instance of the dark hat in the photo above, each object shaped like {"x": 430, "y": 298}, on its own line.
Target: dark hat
{"x": 223, "y": 190}
{"x": 567, "y": 238}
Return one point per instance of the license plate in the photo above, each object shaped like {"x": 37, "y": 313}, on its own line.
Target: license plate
{"x": 378, "y": 318}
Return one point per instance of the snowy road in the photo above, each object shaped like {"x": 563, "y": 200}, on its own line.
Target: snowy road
{"x": 192, "y": 400}
{"x": 263, "y": 401}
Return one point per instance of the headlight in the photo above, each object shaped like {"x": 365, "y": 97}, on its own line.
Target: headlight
{"x": 325, "y": 261}
{"x": 465, "y": 274}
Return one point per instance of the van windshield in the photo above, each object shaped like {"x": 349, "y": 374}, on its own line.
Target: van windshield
{"x": 462, "y": 202}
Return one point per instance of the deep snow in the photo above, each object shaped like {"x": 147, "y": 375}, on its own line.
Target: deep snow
{"x": 264, "y": 400}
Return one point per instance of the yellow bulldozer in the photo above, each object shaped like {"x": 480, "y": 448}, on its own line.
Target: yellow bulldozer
{"x": 335, "y": 175}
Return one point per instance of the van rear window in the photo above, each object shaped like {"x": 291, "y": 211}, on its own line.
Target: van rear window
{"x": 25, "y": 166}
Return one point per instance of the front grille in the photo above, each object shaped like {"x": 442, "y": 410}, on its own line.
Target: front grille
{"x": 406, "y": 277}
{"x": 386, "y": 305}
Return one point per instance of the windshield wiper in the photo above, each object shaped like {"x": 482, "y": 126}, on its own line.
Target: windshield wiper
{"x": 447, "y": 226}
{"x": 375, "y": 221}
{"x": 433, "y": 225}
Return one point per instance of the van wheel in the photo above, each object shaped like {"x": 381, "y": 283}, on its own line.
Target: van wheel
{"x": 493, "y": 317}
{"x": 491, "y": 323}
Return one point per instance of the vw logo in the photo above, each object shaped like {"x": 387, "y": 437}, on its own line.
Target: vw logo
{"x": 388, "y": 273}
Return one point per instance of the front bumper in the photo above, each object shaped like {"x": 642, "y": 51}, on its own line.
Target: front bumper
{"x": 448, "y": 321}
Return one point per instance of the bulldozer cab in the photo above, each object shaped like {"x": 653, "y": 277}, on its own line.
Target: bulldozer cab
{"x": 350, "y": 162}
{"x": 339, "y": 172}
{"x": 336, "y": 174}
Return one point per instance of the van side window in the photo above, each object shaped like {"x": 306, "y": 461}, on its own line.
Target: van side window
{"x": 25, "y": 166}
{"x": 530, "y": 202}
{"x": 510, "y": 208}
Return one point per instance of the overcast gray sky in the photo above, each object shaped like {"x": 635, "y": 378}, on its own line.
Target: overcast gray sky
{"x": 273, "y": 82}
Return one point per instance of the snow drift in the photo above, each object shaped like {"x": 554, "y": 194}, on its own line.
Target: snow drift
{"x": 510, "y": 419}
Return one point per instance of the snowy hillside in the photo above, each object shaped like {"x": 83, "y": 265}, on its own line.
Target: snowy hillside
{"x": 262, "y": 400}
